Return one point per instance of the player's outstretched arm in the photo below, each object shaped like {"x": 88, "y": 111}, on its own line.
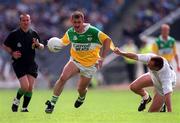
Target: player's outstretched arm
{"x": 168, "y": 102}
{"x": 125, "y": 54}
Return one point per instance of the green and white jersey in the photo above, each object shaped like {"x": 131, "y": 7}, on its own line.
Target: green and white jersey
{"x": 85, "y": 47}
{"x": 166, "y": 49}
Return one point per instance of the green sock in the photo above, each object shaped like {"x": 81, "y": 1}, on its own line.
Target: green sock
{"x": 54, "y": 99}
{"x": 20, "y": 93}
{"x": 27, "y": 99}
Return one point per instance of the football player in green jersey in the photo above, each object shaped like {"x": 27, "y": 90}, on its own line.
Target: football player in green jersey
{"x": 165, "y": 46}
{"x": 89, "y": 47}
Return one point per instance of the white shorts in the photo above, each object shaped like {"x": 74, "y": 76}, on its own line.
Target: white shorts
{"x": 169, "y": 84}
{"x": 88, "y": 72}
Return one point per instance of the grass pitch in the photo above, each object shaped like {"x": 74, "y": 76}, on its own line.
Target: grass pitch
{"x": 101, "y": 106}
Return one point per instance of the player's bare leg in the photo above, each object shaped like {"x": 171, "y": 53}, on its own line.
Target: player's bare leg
{"x": 69, "y": 70}
{"x": 82, "y": 89}
{"x": 138, "y": 87}
{"x": 157, "y": 103}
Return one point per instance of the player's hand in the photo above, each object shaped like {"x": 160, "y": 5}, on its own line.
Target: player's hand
{"x": 16, "y": 54}
{"x": 35, "y": 43}
{"x": 117, "y": 51}
{"x": 100, "y": 63}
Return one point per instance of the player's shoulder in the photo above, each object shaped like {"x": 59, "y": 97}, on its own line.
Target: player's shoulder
{"x": 171, "y": 38}
{"x": 70, "y": 30}
{"x": 158, "y": 39}
{"x": 14, "y": 32}
{"x": 93, "y": 30}
{"x": 93, "y": 27}
{"x": 32, "y": 30}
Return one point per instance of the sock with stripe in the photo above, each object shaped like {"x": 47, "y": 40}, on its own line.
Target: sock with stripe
{"x": 20, "y": 93}
{"x": 27, "y": 98}
{"x": 54, "y": 99}
{"x": 81, "y": 98}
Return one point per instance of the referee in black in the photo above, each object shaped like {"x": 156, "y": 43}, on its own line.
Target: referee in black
{"x": 21, "y": 44}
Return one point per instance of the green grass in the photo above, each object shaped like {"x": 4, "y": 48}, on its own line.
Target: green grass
{"x": 101, "y": 106}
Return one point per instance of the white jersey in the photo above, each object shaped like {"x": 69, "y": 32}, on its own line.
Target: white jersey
{"x": 165, "y": 79}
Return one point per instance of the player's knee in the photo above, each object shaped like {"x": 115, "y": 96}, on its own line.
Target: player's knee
{"x": 25, "y": 88}
{"x": 132, "y": 87}
{"x": 30, "y": 88}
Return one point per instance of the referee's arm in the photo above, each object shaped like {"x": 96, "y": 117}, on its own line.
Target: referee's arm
{"x": 14, "y": 54}
{"x": 7, "y": 49}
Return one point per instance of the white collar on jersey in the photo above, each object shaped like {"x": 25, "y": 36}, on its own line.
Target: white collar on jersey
{"x": 87, "y": 25}
{"x": 163, "y": 39}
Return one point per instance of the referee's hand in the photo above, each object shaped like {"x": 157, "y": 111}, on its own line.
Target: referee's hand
{"x": 35, "y": 43}
{"x": 16, "y": 54}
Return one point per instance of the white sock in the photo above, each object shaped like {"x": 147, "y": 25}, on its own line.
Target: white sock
{"x": 24, "y": 108}
{"x": 145, "y": 97}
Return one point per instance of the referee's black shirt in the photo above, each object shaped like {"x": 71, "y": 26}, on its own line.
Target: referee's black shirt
{"x": 18, "y": 40}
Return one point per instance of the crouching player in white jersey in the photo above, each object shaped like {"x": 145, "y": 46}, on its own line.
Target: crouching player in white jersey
{"x": 160, "y": 75}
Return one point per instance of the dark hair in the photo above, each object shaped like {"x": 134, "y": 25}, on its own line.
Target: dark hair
{"x": 158, "y": 62}
{"x": 77, "y": 15}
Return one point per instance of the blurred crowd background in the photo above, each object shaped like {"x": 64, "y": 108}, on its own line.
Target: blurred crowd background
{"x": 123, "y": 20}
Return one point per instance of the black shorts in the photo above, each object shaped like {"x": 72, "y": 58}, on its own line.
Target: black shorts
{"x": 21, "y": 70}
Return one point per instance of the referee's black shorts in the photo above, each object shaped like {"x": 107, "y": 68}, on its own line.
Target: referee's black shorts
{"x": 21, "y": 70}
